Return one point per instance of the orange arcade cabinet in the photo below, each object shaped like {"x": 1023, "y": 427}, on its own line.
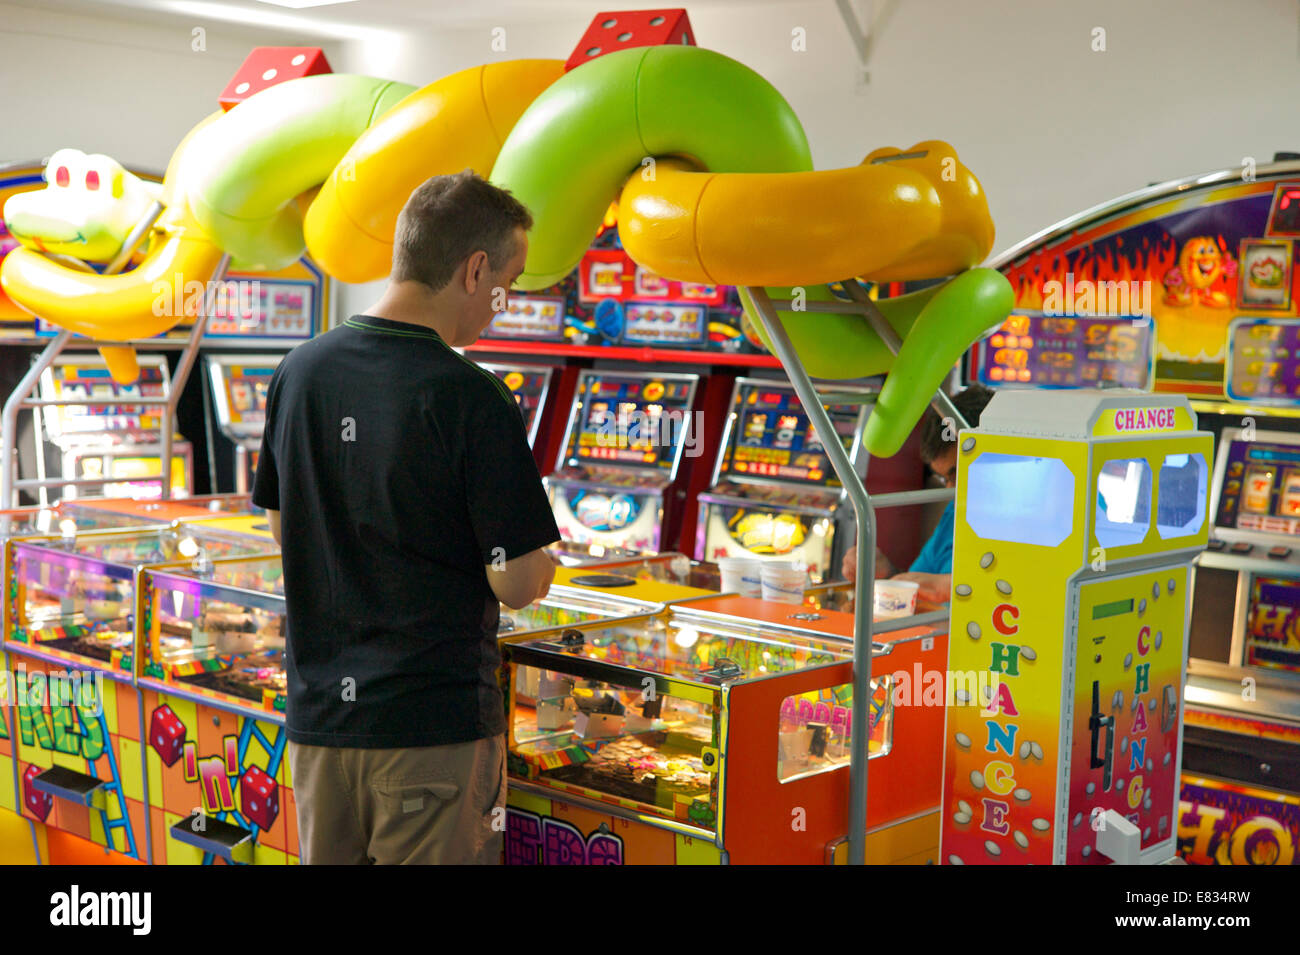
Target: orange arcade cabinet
{"x": 711, "y": 734}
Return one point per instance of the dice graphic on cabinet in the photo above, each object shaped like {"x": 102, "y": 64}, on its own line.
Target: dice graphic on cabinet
{"x": 166, "y": 734}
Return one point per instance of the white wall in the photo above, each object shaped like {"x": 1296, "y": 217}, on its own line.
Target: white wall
{"x": 114, "y": 85}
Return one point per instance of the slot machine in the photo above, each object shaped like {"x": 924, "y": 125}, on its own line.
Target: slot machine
{"x": 1078, "y": 517}
{"x": 113, "y": 440}
{"x": 239, "y": 385}
{"x": 617, "y": 485}
{"x": 774, "y": 493}
{"x": 1243, "y": 740}
{"x": 530, "y": 384}
{"x": 263, "y": 316}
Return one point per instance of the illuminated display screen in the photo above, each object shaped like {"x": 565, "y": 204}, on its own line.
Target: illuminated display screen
{"x": 1261, "y": 487}
{"x": 630, "y": 421}
{"x": 772, "y": 439}
{"x": 262, "y": 308}
{"x": 529, "y": 317}
{"x": 1042, "y": 351}
{"x": 665, "y": 324}
{"x": 1264, "y": 360}
{"x": 247, "y": 387}
{"x": 1273, "y": 619}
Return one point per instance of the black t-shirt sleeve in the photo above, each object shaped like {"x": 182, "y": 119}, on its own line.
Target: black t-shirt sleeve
{"x": 508, "y": 508}
{"x": 266, "y": 483}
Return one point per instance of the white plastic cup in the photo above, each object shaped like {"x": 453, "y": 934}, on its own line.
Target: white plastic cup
{"x": 784, "y": 581}
{"x": 895, "y": 598}
{"x": 741, "y": 575}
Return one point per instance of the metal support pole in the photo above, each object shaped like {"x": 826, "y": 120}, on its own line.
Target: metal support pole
{"x": 134, "y": 238}
{"x": 183, "y": 368}
{"x": 863, "y": 588}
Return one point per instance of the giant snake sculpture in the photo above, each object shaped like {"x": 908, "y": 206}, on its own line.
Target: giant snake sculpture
{"x": 708, "y": 162}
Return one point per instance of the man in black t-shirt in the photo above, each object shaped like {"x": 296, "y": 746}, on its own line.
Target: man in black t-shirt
{"x": 399, "y": 481}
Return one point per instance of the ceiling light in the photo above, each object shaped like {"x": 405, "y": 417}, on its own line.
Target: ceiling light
{"x": 303, "y": 4}
{"x": 303, "y": 24}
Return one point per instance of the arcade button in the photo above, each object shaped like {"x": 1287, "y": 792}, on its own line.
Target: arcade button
{"x": 1215, "y": 544}
{"x": 1241, "y": 547}
{"x": 1279, "y": 552}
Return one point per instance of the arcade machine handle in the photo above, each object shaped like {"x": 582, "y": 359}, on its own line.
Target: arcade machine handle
{"x": 1095, "y": 723}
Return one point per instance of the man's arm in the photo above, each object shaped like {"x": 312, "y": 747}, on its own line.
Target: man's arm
{"x": 273, "y": 518}
{"x": 519, "y": 582}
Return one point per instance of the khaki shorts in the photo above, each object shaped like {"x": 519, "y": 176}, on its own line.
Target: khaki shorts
{"x": 433, "y": 805}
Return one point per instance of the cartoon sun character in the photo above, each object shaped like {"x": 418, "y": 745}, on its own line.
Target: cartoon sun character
{"x": 1201, "y": 263}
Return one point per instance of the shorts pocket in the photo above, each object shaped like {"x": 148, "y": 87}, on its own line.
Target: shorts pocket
{"x": 410, "y": 797}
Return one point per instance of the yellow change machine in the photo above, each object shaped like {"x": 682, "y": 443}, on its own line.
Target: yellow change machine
{"x": 1078, "y": 516}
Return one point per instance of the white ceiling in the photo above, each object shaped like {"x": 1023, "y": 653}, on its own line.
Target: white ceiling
{"x": 364, "y": 15}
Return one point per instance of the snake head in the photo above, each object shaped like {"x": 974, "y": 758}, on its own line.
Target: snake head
{"x": 965, "y": 234}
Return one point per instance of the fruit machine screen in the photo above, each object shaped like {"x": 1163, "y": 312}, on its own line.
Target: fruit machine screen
{"x": 1033, "y": 350}
{"x": 1263, "y": 361}
{"x": 536, "y": 318}
{"x": 76, "y": 377}
{"x": 630, "y": 421}
{"x": 239, "y": 389}
{"x": 530, "y": 385}
{"x": 772, "y": 440}
{"x": 654, "y": 324}
{"x": 1258, "y": 483}
{"x": 262, "y": 310}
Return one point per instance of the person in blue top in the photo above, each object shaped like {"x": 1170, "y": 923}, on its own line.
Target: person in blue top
{"x": 932, "y": 569}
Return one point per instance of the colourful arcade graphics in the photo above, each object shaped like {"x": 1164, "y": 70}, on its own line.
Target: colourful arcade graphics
{"x": 774, "y": 493}
{"x": 1187, "y": 287}
{"x": 71, "y": 624}
{"x": 626, "y": 437}
{"x": 1067, "y": 701}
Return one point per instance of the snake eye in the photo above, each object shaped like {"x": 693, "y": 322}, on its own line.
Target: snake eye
{"x": 92, "y": 180}
{"x": 61, "y": 176}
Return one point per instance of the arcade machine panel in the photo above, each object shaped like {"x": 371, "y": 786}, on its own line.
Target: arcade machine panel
{"x": 617, "y": 484}
{"x": 266, "y": 315}
{"x": 1033, "y": 350}
{"x": 775, "y": 493}
{"x": 110, "y": 440}
{"x": 530, "y": 384}
{"x": 1246, "y": 584}
{"x": 239, "y": 386}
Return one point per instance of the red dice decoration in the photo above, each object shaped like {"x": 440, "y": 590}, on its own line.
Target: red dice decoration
{"x": 166, "y": 734}
{"x": 259, "y": 797}
{"x": 623, "y": 29}
{"x": 268, "y": 65}
{"x": 38, "y": 803}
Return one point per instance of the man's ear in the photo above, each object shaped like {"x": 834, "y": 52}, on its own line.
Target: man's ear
{"x": 476, "y": 271}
